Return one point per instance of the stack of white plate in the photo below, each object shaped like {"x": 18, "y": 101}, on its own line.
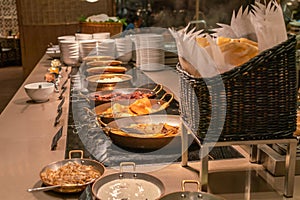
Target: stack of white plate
{"x": 66, "y": 37}
{"x": 124, "y": 49}
{"x": 86, "y": 47}
{"x": 101, "y": 36}
{"x": 83, "y": 36}
{"x": 171, "y": 54}
{"x": 69, "y": 52}
{"x": 106, "y": 47}
{"x": 150, "y": 55}
{"x": 53, "y": 51}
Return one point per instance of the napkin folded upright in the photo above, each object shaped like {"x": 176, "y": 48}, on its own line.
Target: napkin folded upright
{"x": 193, "y": 59}
{"x": 262, "y": 23}
{"x": 269, "y": 25}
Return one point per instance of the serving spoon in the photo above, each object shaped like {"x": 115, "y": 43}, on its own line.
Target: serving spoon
{"x": 45, "y": 188}
{"x": 132, "y": 130}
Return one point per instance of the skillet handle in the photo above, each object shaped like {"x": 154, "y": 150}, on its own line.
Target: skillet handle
{"x": 166, "y": 104}
{"x": 89, "y": 111}
{"x": 76, "y": 151}
{"x": 183, "y": 183}
{"x": 102, "y": 125}
{"x": 100, "y": 122}
{"x": 128, "y": 164}
{"x": 45, "y": 188}
{"x": 157, "y": 88}
{"x": 165, "y": 95}
{"x": 85, "y": 97}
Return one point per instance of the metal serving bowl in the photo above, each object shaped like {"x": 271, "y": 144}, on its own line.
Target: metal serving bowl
{"x": 190, "y": 195}
{"x": 131, "y": 177}
{"x": 102, "y": 82}
{"x": 78, "y": 187}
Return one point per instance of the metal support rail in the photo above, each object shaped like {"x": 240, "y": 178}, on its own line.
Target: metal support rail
{"x": 290, "y": 160}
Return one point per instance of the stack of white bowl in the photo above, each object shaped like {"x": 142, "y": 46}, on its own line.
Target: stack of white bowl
{"x": 101, "y": 36}
{"x": 69, "y": 52}
{"x": 150, "y": 55}
{"x": 83, "y": 36}
{"x": 124, "y": 49}
{"x": 86, "y": 47}
{"x": 106, "y": 47}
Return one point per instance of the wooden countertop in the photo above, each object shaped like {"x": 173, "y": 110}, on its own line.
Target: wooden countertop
{"x": 26, "y": 135}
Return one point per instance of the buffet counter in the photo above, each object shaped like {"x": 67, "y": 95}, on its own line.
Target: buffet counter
{"x": 27, "y": 131}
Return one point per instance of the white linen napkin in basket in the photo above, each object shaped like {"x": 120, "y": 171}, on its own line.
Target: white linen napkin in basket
{"x": 264, "y": 23}
{"x": 190, "y": 52}
{"x": 269, "y": 25}
{"x": 240, "y": 26}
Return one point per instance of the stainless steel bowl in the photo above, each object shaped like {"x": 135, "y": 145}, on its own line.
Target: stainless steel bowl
{"x": 115, "y": 179}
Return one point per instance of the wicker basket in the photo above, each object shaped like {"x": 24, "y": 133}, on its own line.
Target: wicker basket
{"x": 255, "y": 101}
{"x": 112, "y": 27}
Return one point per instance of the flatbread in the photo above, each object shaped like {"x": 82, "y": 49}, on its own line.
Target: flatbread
{"x": 141, "y": 106}
{"x": 237, "y": 53}
{"x": 223, "y": 40}
{"x": 247, "y": 41}
{"x": 202, "y": 42}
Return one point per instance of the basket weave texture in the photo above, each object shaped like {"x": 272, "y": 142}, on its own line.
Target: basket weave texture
{"x": 112, "y": 27}
{"x": 255, "y": 101}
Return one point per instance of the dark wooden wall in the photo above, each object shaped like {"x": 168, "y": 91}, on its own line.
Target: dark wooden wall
{"x": 42, "y": 21}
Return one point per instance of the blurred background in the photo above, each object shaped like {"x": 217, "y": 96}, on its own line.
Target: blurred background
{"x": 27, "y": 27}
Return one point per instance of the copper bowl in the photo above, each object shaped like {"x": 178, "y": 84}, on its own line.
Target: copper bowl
{"x": 83, "y": 161}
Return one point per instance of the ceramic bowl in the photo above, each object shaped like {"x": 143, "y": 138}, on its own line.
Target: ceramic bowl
{"x": 39, "y": 91}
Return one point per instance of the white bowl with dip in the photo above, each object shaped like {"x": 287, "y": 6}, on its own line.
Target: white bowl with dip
{"x": 39, "y": 91}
